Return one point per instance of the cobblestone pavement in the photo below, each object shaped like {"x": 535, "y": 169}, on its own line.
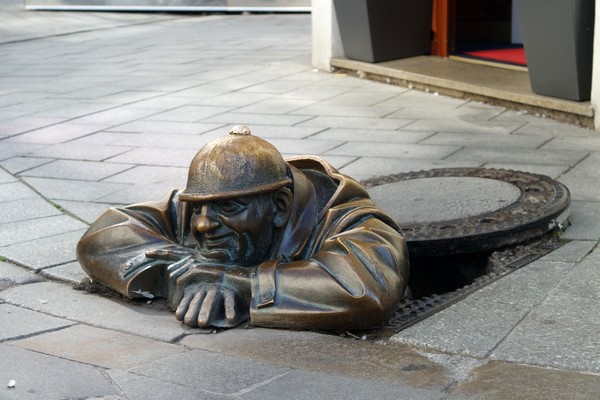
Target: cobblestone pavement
{"x": 100, "y": 109}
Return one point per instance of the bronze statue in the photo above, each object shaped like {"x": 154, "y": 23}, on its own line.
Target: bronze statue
{"x": 284, "y": 243}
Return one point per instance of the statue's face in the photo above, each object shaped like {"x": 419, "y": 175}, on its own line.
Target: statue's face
{"x": 236, "y": 231}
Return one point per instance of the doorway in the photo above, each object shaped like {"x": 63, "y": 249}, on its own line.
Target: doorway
{"x": 478, "y": 30}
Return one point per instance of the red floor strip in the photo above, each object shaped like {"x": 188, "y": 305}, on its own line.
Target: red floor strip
{"x": 511, "y": 56}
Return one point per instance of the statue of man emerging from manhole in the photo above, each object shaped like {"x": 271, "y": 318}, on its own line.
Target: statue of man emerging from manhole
{"x": 284, "y": 244}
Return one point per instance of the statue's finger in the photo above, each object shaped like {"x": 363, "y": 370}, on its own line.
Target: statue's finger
{"x": 208, "y": 306}
{"x": 183, "y": 306}
{"x": 191, "y": 316}
{"x": 230, "y": 314}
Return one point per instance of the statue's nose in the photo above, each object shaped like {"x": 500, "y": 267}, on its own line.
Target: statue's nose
{"x": 205, "y": 221}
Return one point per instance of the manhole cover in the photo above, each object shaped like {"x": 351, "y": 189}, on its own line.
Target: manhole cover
{"x": 467, "y": 227}
{"x": 462, "y": 210}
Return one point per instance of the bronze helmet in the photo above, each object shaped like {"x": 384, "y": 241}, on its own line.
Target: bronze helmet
{"x": 235, "y": 165}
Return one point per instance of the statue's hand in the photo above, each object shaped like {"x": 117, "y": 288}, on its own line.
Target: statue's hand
{"x": 205, "y": 305}
{"x": 212, "y": 295}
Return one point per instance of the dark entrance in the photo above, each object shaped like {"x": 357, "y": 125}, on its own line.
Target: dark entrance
{"x": 478, "y": 30}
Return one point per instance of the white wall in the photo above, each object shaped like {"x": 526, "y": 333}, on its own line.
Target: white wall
{"x": 326, "y": 41}
{"x": 596, "y": 70}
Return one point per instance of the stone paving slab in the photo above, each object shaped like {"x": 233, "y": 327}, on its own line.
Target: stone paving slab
{"x": 561, "y": 333}
{"x": 328, "y": 354}
{"x": 23, "y": 210}
{"x": 62, "y": 301}
{"x": 477, "y": 325}
{"x": 139, "y": 387}
{"x": 585, "y": 221}
{"x": 66, "y": 189}
{"x": 373, "y": 135}
{"x": 40, "y": 376}
{"x": 11, "y": 275}
{"x": 309, "y": 385}
{"x": 76, "y": 170}
{"x": 70, "y": 273}
{"x": 45, "y": 252}
{"x": 29, "y": 231}
{"x": 518, "y": 156}
{"x": 500, "y": 381}
{"x": 18, "y": 322}
{"x": 100, "y": 347}
{"x": 220, "y": 374}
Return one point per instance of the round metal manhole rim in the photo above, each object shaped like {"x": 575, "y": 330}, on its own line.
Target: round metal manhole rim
{"x": 543, "y": 205}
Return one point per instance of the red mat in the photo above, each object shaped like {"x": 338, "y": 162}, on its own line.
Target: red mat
{"x": 512, "y": 56}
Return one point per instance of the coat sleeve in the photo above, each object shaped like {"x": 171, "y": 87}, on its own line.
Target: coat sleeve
{"x": 112, "y": 251}
{"x": 354, "y": 281}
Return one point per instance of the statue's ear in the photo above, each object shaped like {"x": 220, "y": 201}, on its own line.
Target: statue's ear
{"x": 282, "y": 204}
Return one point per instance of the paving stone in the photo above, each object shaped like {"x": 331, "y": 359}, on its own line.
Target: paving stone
{"x": 472, "y": 328}
{"x": 159, "y": 140}
{"x": 63, "y": 189}
{"x": 136, "y": 318}
{"x": 581, "y": 188}
{"x": 442, "y": 111}
{"x": 573, "y": 251}
{"x": 70, "y": 273}
{"x": 54, "y": 134}
{"x": 561, "y": 333}
{"x": 275, "y": 106}
{"x": 85, "y": 210}
{"x": 189, "y": 113}
{"x": 220, "y": 374}
{"x": 170, "y": 127}
{"x": 316, "y": 92}
{"x": 493, "y": 140}
{"x": 585, "y": 221}
{"x": 137, "y": 387}
{"x": 553, "y": 171}
{"x": 11, "y": 275}
{"x": 18, "y": 149}
{"x": 26, "y": 209}
{"x": 539, "y": 126}
{"x": 19, "y": 232}
{"x": 458, "y": 126}
{"x": 573, "y": 143}
{"x": 147, "y": 174}
{"x": 58, "y": 379}
{"x": 143, "y": 192}
{"x": 20, "y": 164}
{"x": 372, "y": 135}
{"x": 369, "y": 167}
{"x": 309, "y": 147}
{"x": 329, "y": 354}
{"x": 583, "y": 281}
{"x": 19, "y": 322}
{"x": 81, "y": 151}
{"x": 157, "y": 157}
{"x": 15, "y": 191}
{"x": 518, "y": 156}
{"x": 588, "y": 168}
{"x": 100, "y": 347}
{"x": 346, "y": 111}
{"x": 25, "y": 124}
{"x": 419, "y": 99}
{"x": 499, "y": 381}
{"x": 5, "y": 177}
{"x": 78, "y": 170}
{"x": 527, "y": 286}
{"x": 110, "y": 118}
{"x": 361, "y": 98}
{"x": 45, "y": 252}
{"x": 274, "y": 87}
{"x": 356, "y": 122}
{"x": 394, "y": 150}
{"x": 249, "y": 119}
{"x": 299, "y": 385}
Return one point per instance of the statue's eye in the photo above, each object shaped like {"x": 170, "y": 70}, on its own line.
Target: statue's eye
{"x": 231, "y": 206}
{"x": 196, "y": 208}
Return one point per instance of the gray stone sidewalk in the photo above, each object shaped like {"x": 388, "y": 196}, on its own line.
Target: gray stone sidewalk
{"x": 101, "y": 109}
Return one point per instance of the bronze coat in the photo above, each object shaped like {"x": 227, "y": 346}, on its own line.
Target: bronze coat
{"x": 341, "y": 262}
